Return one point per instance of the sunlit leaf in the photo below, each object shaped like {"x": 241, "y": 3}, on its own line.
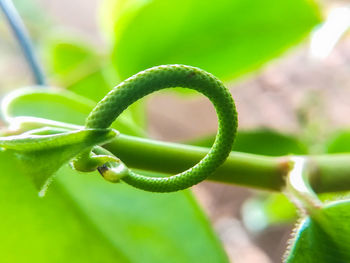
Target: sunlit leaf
{"x": 51, "y": 229}
{"x": 324, "y": 237}
{"x": 226, "y": 38}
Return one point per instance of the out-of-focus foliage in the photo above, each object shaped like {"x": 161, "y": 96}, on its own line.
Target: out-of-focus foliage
{"x": 226, "y": 38}
{"x": 323, "y": 237}
{"x": 53, "y": 229}
{"x": 77, "y": 67}
{"x": 339, "y": 143}
{"x": 31, "y": 103}
{"x": 268, "y": 142}
{"x": 265, "y": 142}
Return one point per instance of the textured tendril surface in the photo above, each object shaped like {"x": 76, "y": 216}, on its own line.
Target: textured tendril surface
{"x": 168, "y": 76}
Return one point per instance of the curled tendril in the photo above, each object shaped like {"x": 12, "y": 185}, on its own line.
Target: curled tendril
{"x": 140, "y": 85}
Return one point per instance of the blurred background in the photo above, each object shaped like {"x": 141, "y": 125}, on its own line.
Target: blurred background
{"x": 287, "y": 66}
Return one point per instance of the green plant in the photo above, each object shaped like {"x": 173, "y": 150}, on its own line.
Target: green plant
{"x": 85, "y": 219}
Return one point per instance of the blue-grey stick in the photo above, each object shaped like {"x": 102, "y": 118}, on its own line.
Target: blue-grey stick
{"x": 23, "y": 38}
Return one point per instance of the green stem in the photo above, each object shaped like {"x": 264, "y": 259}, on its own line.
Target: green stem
{"x": 240, "y": 168}
{"x": 330, "y": 172}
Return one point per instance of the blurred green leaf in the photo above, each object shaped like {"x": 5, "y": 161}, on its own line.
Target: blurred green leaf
{"x": 265, "y": 142}
{"x": 67, "y": 56}
{"x": 226, "y": 38}
{"x": 163, "y": 228}
{"x": 262, "y": 211}
{"x": 86, "y": 219}
{"x": 59, "y": 105}
{"x": 268, "y": 142}
{"x": 51, "y": 229}
{"x": 339, "y": 143}
{"x": 55, "y": 104}
{"x": 80, "y": 69}
{"x": 279, "y": 209}
{"x": 323, "y": 237}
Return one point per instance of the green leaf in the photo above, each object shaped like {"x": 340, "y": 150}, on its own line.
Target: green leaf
{"x": 67, "y": 56}
{"x": 268, "y": 142}
{"x": 78, "y": 67}
{"x": 161, "y": 227}
{"x": 48, "y": 103}
{"x": 83, "y": 218}
{"x": 324, "y": 237}
{"x": 51, "y": 229}
{"x": 265, "y": 142}
{"x": 81, "y": 70}
{"x": 58, "y": 105}
{"x": 40, "y": 156}
{"x": 226, "y": 38}
{"x": 339, "y": 143}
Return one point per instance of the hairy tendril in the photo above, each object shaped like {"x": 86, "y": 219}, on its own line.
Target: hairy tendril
{"x": 140, "y": 85}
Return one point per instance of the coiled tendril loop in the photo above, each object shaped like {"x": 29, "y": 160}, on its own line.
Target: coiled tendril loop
{"x": 162, "y": 77}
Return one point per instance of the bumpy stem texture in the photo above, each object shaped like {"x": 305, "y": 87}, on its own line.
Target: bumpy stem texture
{"x": 157, "y": 78}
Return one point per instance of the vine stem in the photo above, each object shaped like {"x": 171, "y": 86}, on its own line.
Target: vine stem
{"x": 330, "y": 173}
{"x": 23, "y": 39}
{"x": 326, "y": 173}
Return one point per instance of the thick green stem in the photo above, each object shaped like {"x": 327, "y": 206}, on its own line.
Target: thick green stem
{"x": 240, "y": 168}
{"x": 330, "y": 173}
